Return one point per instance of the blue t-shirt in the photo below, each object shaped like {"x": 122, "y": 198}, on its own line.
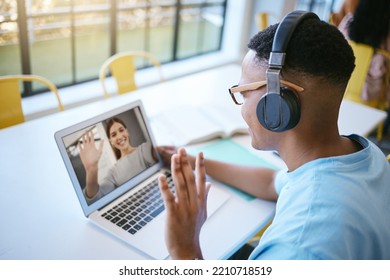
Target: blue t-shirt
{"x": 332, "y": 208}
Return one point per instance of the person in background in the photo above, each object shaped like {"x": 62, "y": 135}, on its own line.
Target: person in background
{"x": 331, "y": 199}
{"x": 348, "y": 6}
{"x": 370, "y": 24}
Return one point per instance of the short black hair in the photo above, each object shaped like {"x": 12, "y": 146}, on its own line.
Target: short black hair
{"x": 316, "y": 49}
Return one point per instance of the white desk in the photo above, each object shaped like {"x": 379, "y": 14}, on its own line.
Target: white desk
{"x": 41, "y": 217}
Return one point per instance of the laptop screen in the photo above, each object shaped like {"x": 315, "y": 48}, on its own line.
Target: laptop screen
{"x": 105, "y": 153}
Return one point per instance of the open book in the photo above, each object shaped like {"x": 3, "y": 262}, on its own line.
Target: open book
{"x": 192, "y": 124}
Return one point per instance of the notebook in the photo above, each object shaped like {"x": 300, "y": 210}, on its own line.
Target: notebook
{"x": 120, "y": 192}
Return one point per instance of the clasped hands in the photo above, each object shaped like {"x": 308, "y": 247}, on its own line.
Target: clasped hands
{"x": 186, "y": 209}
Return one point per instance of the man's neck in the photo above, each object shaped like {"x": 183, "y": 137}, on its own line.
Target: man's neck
{"x": 298, "y": 151}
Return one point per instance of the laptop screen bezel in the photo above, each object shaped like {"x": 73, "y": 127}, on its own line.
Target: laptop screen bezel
{"x": 117, "y": 192}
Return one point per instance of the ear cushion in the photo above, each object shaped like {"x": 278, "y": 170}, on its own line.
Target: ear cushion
{"x": 279, "y": 113}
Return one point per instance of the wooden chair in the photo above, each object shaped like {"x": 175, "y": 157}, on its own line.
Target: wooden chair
{"x": 122, "y": 68}
{"x": 11, "y": 111}
{"x": 363, "y": 54}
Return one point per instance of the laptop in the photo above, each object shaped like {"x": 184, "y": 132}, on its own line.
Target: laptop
{"x": 120, "y": 192}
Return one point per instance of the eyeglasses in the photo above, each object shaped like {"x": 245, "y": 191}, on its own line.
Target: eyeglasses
{"x": 235, "y": 91}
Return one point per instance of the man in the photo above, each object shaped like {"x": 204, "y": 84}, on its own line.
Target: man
{"x": 333, "y": 200}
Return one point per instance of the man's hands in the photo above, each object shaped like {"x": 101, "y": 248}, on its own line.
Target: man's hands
{"x": 187, "y": 210}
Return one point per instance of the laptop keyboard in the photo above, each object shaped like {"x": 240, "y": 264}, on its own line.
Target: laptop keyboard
{"x": 140, "y": 208}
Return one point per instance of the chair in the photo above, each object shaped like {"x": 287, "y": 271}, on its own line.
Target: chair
{"x": 11, "y": 112}
{"x": 262, "y": 20}
{"x": 256, "y": 238}
{"x": 363, "y": 54}
{"x": 122, "y": 68}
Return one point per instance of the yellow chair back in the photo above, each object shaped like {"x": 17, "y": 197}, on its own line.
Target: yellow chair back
{"x": 11, "y": 112}
{"x": 262, "y": 20}
{"x": 122, "y": 68}
{"x": 363, "y": 54}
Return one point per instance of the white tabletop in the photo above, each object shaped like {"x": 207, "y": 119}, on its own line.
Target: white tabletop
{"x": 41, "y": 217}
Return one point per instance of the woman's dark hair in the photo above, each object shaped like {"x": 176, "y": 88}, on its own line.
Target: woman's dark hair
{"x": 371, "y": 22}
{"x": 316, "y": 48}
{"x": 109, "y": 124}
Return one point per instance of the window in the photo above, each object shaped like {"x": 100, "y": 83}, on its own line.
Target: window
{"x": 10, "y": 55}
{"x": 67, "y": 41}
{"x": 322, "y": 8}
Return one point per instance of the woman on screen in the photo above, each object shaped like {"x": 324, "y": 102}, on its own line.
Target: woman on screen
{"x": 130, "y": 160}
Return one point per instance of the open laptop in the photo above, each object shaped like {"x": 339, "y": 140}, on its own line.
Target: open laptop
{"x": 126, "y": 200}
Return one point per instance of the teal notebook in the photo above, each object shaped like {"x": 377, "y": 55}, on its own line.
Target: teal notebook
{"x": 229, "y": 151}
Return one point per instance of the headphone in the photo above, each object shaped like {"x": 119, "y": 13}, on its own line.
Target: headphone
{"x": 279, "y": 110}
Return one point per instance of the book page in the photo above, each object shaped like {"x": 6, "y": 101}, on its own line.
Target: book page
{"x": 229, "y": 119}
{"x": 183, "y": 125}
{"x": 191, "y": 124}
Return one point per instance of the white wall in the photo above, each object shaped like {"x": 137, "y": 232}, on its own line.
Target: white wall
{"x": 240, "y": 24}
{"x": 276, "y": 8}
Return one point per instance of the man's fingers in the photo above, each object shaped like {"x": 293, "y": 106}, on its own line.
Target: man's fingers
{"x": 178, "y": 179}
{"x": 189, "y": 177}
{"x": 186, "y": 166}
{"x": 190, "y": 188}
{"x": 200, "y": 172}
{"x": 167, "y": 195}
{"x": 208, "y": 187}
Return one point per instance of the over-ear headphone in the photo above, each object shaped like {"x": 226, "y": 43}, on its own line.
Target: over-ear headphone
{"x": 279, "y": 109}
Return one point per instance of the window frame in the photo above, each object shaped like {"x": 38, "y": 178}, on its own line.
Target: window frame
{"x": 113, "y": 9}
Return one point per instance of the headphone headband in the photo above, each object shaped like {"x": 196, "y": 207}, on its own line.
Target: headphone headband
{"x": 279, "y": 109}
{"x": 284, "y": 32}
{"x": 281, "y": 39}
